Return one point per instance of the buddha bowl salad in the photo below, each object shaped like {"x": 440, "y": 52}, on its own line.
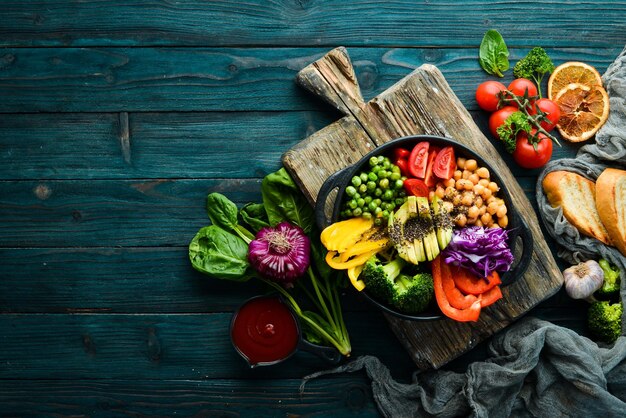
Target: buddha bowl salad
{"x": 422, "y": 227}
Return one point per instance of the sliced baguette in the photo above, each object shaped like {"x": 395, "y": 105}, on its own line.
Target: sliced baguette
{"x": 576, "y": 196}
{"x": 611, "y": 204}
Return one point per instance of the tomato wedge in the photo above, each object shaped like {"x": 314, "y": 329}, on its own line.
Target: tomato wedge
{"x": 418, "y": 159}
{"x": 490, "y": 296}
{"x": 416, "y": 187}
{"x": 462, "y": 315}
{"x": 471, "y": 284}
{"x": 403, "y": 165}
{"x": 455, "y": 297}
{"x": 401, "y": 153}
{"x": 445, "y": 163}
{"x": 430, "y": 178}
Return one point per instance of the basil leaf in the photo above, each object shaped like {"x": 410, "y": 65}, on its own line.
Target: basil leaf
{"x": 221, "y": 211}
{"x": 493, "y": 54}
{"x": 254, "y": 215}
{"x": 220, "y": 254}
{"x": 284, "y": 201}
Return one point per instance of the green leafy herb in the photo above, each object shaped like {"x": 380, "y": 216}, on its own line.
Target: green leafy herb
{"x": 220, "y": 254}
{"x": 223, "y": 213}
{"x": 254, "y": 215}
{"x": 493, "y": 54}
{"x": 534, "y": 66}
{"x": 285, "y": 202}
{"x": 514, "y": 124}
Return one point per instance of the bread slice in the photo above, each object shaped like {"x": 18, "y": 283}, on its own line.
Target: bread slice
{"x": 576, "y": 196}
{"x": 611, "y": 204}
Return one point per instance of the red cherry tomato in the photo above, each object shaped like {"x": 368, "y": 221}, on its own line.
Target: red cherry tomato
{"x": 525, "y": 154}
{"x": 498, "y": 117}
{"x": 430, "y": 178}
{"x": 487, "y": 95}
{"x": 401, "y": 153}
{"x": 404, "y": 166}
{"x": 520, "y": 85}
{"x": 419, "y": 159}
{"x": 416, "y": 187}
{"x": 553, "y": 113}
{"x": 445, "y": 163}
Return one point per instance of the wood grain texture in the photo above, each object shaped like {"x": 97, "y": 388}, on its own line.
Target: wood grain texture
{"x": 423, "y": 103}
{"x": 260, "y": 23}
{"x": 198, "y": 398}
{"x": 160, "y": 346}
{"x": 223, "y": 79}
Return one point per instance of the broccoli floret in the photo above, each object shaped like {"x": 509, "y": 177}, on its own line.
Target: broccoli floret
{"x": 611, "y": 279}
{"x": 413, "y": 294}
{"x": 379, "y": 277}
{"x": 534, "y": 66}
{"x": 605, "y": 320}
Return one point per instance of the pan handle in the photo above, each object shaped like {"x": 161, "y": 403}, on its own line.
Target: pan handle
{"x": 330, "y": 354}
{"x": 331, "y": 183}
{"x": 523, "y": 231}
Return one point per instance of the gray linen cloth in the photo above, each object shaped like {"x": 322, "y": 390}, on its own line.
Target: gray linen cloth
{"x": 535, "y": 368}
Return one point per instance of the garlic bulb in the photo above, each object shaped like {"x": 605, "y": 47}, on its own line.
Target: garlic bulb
{"x": 583, "y": 279}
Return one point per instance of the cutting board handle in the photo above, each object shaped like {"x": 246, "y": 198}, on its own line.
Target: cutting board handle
{"x": 333, "y": 79}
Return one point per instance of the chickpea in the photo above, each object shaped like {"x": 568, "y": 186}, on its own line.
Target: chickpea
{"x": 467, "y": 199}
{"x": 450, "y": 192}
{"x": 486, "y": 219}
{"x": 439, "y": 192}
{"x": 483, "y": 172}
{"x": 448, "y": 206}
{"x": 501, "y": 211}
{"x": 474, "y": 178}
{"x": 490, "y": 199}
{"x": 468, "y": 185}
{"x": 449, "y": 183}
{"x": 431, "y": 195}
{"x": 461, "y": 220}
{"x": 478, "y": 201}
{"x": 493, "y": 187}
{"x": 466, "y": 174}
{"x": 478, "y": 189}
{"x": 460, "y": 163}
{"x": 471, "y": 165}
{"x": 482, "y": 210}
{"x": 503, "y": 221}
{"x": 487, "y": 194}
{"x": 483, "y": 182}
{"x": 472, "y": 212}
{"x": 456, "y": 199}
{"x": 460, "y": 184}
{"x": 490, "y": 224}
{"x": 457, "y": 175}
{"x": 493, "y": 207}
{"x": 478, "y": 223}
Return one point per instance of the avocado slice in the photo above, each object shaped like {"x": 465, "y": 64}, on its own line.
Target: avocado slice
{"x": 431, "y": 247}
{"x": 395, "y": 226}
{"x": 443, "y": 223}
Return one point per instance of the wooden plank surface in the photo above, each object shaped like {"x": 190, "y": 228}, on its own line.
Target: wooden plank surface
{"x": 222, "y": 79}
{"x": 423, "y": 103}
{"x": 260, "y": 23}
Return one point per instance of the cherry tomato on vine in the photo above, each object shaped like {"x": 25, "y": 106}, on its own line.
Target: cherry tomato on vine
{"x": 487, "y": 95}
{"x": 498, "y": 117}
{"x": 525, "y": 154}
{"x": 553, "y": 113}
{"x": 520, "y": 85}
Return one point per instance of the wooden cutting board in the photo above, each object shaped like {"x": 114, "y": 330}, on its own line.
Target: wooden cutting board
{"x": 420, "y": 103}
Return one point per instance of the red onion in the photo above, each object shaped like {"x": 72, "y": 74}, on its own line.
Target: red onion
{"x": 281, "y": 254}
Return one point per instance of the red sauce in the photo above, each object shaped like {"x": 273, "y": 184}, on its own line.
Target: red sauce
{"x": 264, "y": 331}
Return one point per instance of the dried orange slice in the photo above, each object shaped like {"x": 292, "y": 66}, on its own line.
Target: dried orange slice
{"x": 572, "y": 72}
{"x": 584, "y": 110}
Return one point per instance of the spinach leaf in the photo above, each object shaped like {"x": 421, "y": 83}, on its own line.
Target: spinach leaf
{"x": 221, "y": 211}
{"x": 493, "y": 55}
{"x": 254, "y": 215}
{"x": 284, "y": 201}
{"x": 220, "y": 254}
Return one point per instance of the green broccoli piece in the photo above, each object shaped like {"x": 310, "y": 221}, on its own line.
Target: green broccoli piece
{"x": 605, "y": 320}
{"x": 413, "y": 294}
{"x": 379, "y": 277}
{"x": 534, "y": 66}
{"x": 611, "y": 279}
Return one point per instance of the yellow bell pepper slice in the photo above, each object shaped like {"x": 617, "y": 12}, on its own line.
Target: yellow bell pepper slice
{"x": 334, "y": 262}
{"x": 353, "y": 275}
{"x": 363, "y": 247}
{"x": 341, "y": 235}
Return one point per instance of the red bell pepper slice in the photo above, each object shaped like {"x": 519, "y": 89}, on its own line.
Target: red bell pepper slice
{"x": 455, "y": 297}
{"x": 462, "y": 315}
{"x": 471, "y": 284}
{"x": 490, "y": 296}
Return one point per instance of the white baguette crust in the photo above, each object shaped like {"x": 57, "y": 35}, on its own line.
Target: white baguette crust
{"x": 576, "y": 196}
{"x": 611, "y": 204}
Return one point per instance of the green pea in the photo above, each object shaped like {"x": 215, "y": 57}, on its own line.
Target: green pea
{"x": 388, "y": 195}
{"x": 357, "y": 195}
{"x": 384, "y": 184}
{"x": 357, "y": 212}
{"x": 394, "y": 176}
{"x": 381, "y": 158}
{"x": 377, "y": 201}
{"x": 385, "y": 214}
{"x": 352, "y": 204}
{"x": 362, "y": 188}
{"x": 377, "y": 210}
{"x": 398, "y": 184}
{"x": 372, "y": 177}
{"x": 390, "y": 206}
{"x": 378, "y": 222}
{"x": 399, "y": 201}
{"x": 372, "y": 206}
{"x": 383, "y": 174}
{"x": 373, "y": 161}
{"x": 378, "y": 192}
{"x": 401, "y": 193}
{"x": 360, "y": 202}
{"x": 376, "y": 169}
{"x": 371, "y": 185}
{"x": 367, "y": 215}
{"x": 347, "y": 213}
{"x": 363, "y": 177}
{"x": 356, "y": 181}
{"x": 368, "y": 199}
{"x": 350, "y": 191}
{"x": 395, "y": 169}
{"x": 386, "y": 164}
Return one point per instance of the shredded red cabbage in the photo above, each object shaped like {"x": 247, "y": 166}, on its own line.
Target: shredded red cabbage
{"x": 479, "y": 250}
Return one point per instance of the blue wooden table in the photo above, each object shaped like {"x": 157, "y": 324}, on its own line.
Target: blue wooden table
{"x": 116, "y": 120}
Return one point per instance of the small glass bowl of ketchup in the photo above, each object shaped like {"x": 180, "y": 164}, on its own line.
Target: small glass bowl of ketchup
{"x": 265, "y": 331}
